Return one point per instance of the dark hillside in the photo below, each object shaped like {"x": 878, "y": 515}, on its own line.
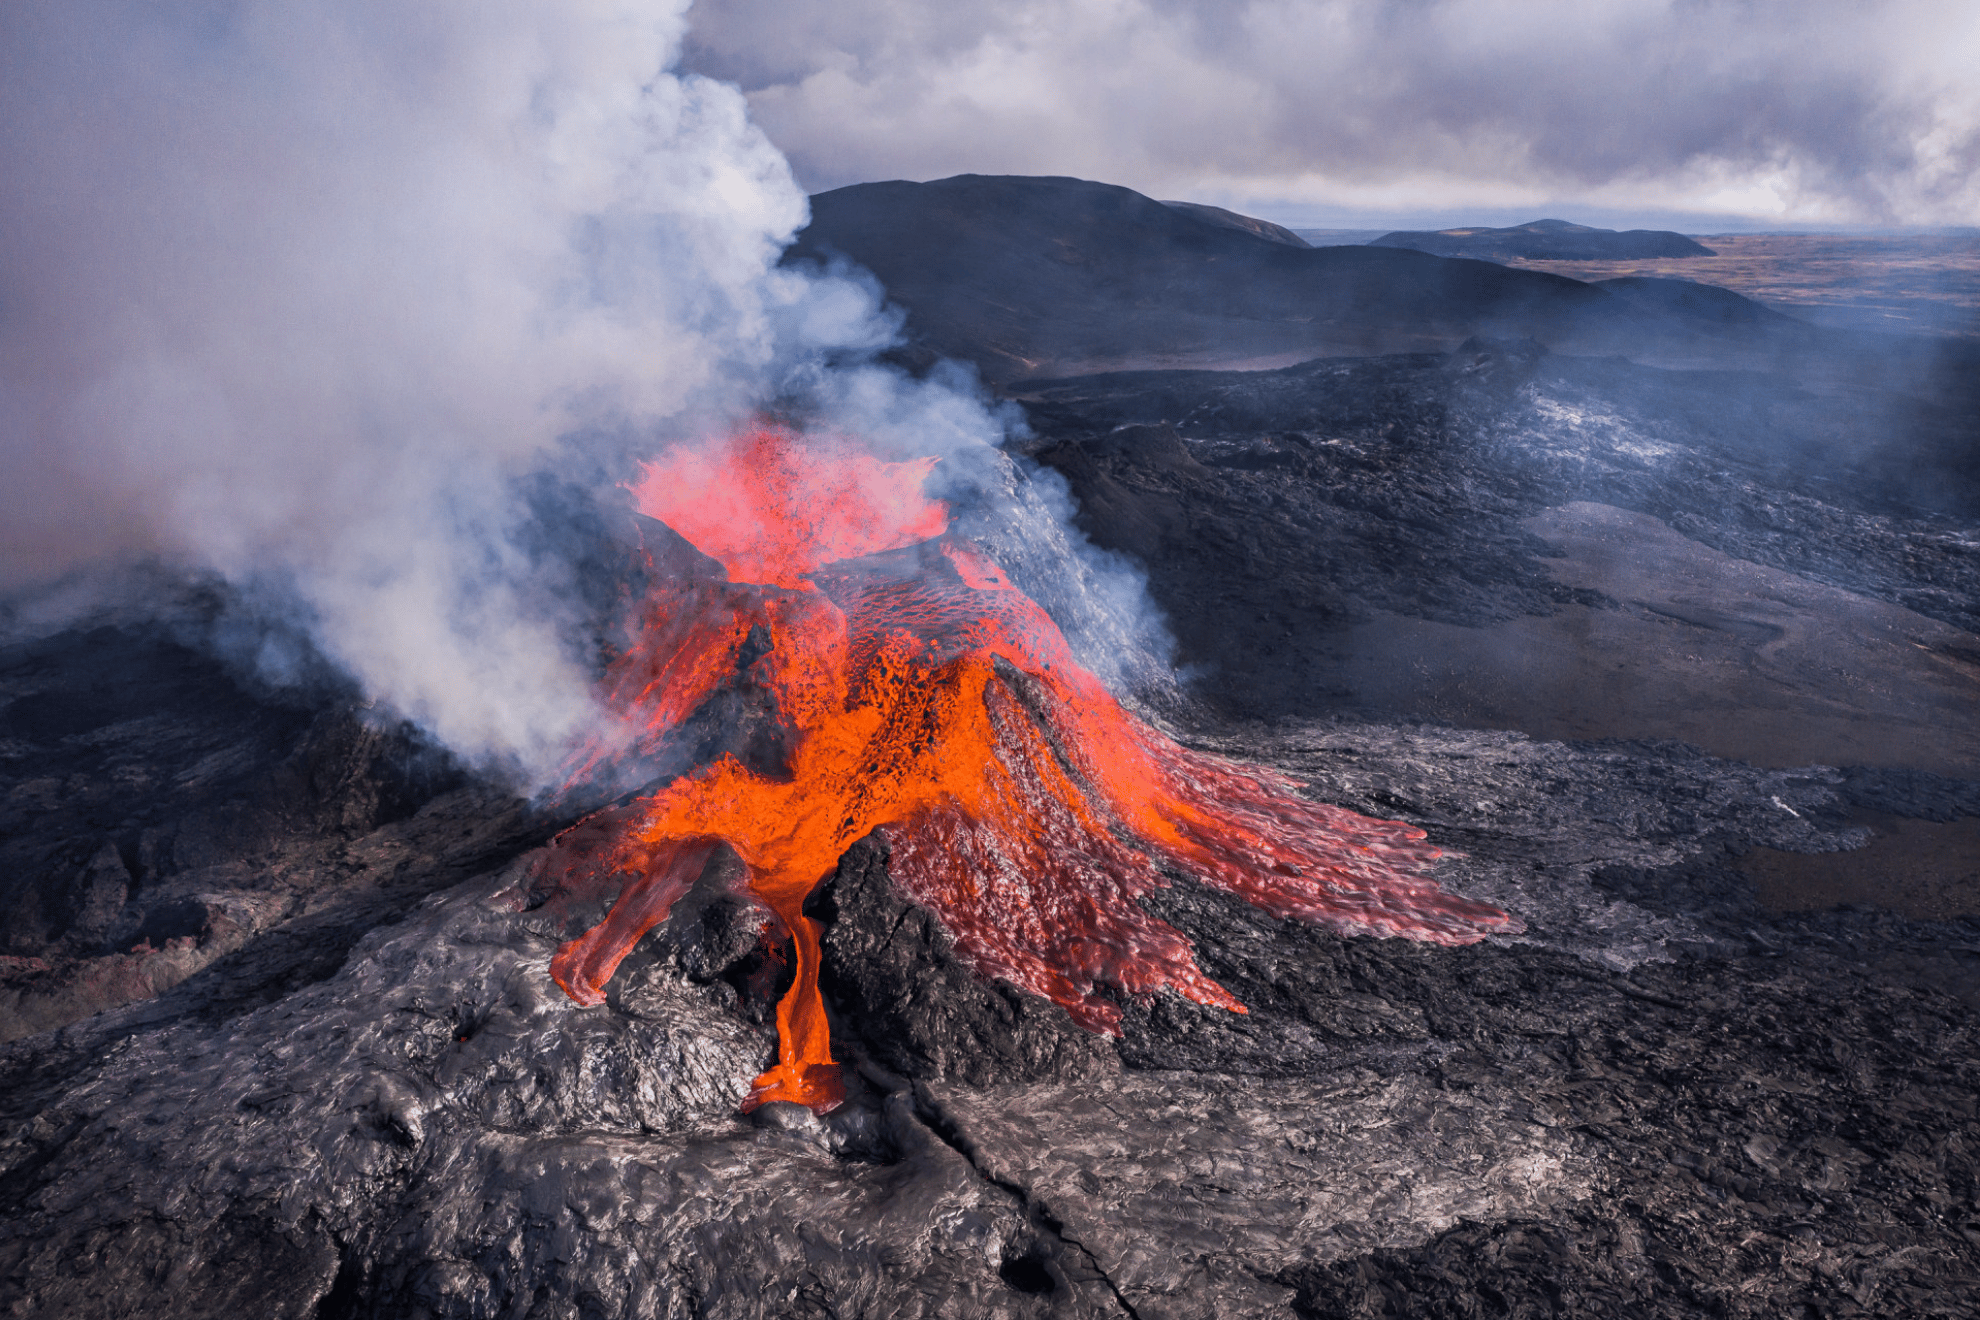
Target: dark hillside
{"x": 1032, "y": 277}
{"x": 1217, "y": 215}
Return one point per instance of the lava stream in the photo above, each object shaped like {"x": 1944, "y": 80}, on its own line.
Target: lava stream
{"x": 925, "y": 694}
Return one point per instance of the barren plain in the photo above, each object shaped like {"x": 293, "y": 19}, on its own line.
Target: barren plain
{"x": 1908, "y": 284}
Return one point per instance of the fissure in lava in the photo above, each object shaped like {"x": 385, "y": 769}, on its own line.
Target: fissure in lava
{"x": 923, "y": 693}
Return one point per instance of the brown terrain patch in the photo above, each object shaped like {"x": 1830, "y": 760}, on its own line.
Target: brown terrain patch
{"x": 1923, "y": 284}
{"x": 1917, "y": 868}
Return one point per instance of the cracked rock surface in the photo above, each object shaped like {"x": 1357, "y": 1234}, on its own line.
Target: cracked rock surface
{"x": 1655, "y": 1097}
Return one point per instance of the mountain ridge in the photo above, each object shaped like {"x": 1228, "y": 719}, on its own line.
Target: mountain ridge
{"x": 1048, "y": 276}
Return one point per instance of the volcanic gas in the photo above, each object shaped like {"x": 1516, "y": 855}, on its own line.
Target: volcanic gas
{"x": 921, "y": 693}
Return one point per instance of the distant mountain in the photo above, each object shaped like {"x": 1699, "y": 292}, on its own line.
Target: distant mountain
{"x": 1338, "y": 237}
{"x": 1031, "y": 277}
{"x": 1217, "y": 215}
{"x": 1547, "y": 240}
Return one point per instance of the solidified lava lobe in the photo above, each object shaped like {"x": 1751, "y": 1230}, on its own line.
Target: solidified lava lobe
{"x": 925, "y": 694}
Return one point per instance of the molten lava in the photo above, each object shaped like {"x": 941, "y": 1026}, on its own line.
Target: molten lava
{"x": 923, "y": 693}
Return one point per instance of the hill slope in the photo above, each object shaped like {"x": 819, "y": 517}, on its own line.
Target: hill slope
{"x": 1031, "y": 277}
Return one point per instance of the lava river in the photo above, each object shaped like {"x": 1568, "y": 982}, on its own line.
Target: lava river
{"x": 919, "y": 691}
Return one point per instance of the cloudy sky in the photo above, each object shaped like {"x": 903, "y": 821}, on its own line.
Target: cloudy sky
{"x": 1698, "y": 113}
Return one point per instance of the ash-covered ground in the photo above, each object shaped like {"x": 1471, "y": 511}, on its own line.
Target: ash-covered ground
{"x": 1651, "y": 654}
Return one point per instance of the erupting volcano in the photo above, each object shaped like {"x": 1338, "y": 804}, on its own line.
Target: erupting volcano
{"x": 920, "y": 692}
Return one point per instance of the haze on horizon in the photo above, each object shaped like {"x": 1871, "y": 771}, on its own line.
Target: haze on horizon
{"x": 1704, "y": 115}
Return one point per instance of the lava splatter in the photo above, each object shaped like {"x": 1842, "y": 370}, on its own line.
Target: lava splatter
{"x": 924, "y": 694}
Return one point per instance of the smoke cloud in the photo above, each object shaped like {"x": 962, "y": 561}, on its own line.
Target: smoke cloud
{"x": 1788, "y": 110}
{"x": 324, "y": 297}
{"x": 298, "y": 292}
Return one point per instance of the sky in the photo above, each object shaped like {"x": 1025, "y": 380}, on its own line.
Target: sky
{"x": 1702, "y": 115}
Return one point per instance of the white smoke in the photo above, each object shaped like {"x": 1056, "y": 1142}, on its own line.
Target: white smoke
{"x": 294, "y": 290}
{"x": 299, "y": 291}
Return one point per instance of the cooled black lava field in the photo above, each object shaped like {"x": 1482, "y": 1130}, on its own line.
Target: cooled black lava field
{"x": 1679, "y": 666}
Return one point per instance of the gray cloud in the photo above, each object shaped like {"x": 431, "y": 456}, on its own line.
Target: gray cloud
{"x": 1811, "y": 109}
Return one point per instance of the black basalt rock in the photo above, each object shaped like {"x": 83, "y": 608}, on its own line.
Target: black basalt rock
{"x": 901, "y": 993}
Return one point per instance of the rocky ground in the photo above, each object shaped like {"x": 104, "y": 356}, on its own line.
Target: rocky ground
{"x": 1298, "y": 524}
{"x": 1659, "y": 1100}
{"x": 283, "y": 1040}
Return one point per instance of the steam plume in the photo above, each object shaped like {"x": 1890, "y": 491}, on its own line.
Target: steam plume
{"x": 298, "y": 292}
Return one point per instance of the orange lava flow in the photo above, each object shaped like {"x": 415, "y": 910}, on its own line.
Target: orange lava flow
{"x": 928, "y": 696}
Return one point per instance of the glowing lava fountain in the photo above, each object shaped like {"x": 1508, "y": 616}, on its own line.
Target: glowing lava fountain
{"x": 921, "y": 692}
